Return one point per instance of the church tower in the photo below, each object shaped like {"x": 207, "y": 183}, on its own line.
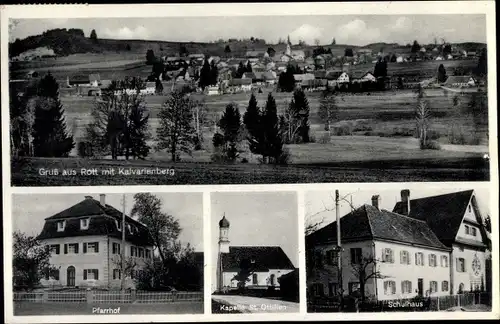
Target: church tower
{"x": 223, "y": 248}
{"x": 288, "y": 50}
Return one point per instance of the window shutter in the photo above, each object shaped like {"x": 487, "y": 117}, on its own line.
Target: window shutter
{"x": 401, "y": 256}
{"x": 408, "y": 261}
{"x": 393, "y": 287}
{"x": 384, "y": 258}
{"x": 96, "y": 247}
{"x": 392, "y": 255}
{"x": 97, "y": 274}
{"x": 65, "y": 248}
{"x": 85, "y": 274}
{"x": 84, "y": 247}
{"x": 58, "y": 248}
{"x": 76, "y": 248}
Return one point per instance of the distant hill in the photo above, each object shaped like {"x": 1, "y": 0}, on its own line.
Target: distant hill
{"x": 72, "y": 41}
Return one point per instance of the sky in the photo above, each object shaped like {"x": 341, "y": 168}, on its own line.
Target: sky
{"x": 346, "y": 29}
{"x": 30, "y": 210}
{"x": 256, "y": 219}
{"x": 320, "y": 205}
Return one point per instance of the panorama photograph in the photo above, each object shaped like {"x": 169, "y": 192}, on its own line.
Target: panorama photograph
{"x": 248, "y": 99}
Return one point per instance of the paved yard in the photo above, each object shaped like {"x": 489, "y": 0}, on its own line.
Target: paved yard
{"x": 30, "y": 309}
{"x": 244, "y": 304}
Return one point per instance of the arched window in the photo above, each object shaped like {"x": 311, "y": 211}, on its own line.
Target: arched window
{"x": 255, "y": 279}
{"x": 461, "y": 288}
{"x": 272, "y": 279}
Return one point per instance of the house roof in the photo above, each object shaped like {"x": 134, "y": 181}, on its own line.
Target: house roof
{"x": 238, "y": 82}
{"x": 150, "y": 84}
{"x": 442, "y": 213}
{"x": 333, "y": 75}
{"x": 369, "y": 223}
{"x": 102, "y": 222}
{"x": 302, "y": 77}
{"x": 249, "y": 75}
{"x": 457, "y": 79}
{"x": 269, "y": 75}
{"x": 255, "y": 54}
{"x": 94, "y": 77}
{"x": 263, "y": 257}
{"x": 320, "y": 74}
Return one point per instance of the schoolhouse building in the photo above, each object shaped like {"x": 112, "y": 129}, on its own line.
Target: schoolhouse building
{"x": 264, "y": 265}
{"x": 433, "y": 246}
{"x": 85, "y": 241}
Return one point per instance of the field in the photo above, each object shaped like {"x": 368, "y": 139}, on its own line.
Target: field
{"x": 40, "y": 309}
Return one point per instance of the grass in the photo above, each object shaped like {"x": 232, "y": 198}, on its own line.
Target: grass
{"x": 35, "y": 309}
{"x": 433, "y": 167}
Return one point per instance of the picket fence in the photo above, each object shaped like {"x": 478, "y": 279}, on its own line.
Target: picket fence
{"x": 97, "y": 296}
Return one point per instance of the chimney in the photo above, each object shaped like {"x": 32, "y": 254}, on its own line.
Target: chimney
{"x": 102, "y": 199}
{"x": 405, "y": 199}
{"x": 376, "y": 201}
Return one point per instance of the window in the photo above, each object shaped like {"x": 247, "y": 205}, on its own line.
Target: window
{"x": 318, "y": 259}
{"x": 118, "y": 225}
{"x": 71, "y": 248}
{"x": 470, "y": 208}
{"x": 444, "y": 286}
{"x": 467, "y": 229}
{"x": 332, "y": 257}
{"x": 54, "y": 248}
{"x": 389, "y": 287}
{"x": 90, "y": 274}
{"x": 318, "y": 289}
{"x": 116, "y": 248}
{"x": 61, "y": 225}
{"x": 141, "y": 253}
{"x": 133, "y": 251}
{"x": 406, "y": 287}
{"x": 117, "y": 274}
{"x": 92, "y": 247}
{"x": 419, "y": 259}
{"x": 473, "y": 231}
{"x": 460, "y": 264}
{"x": 356, "y": 255}
{"x": 444, "y": 261}
{"x": 148, "y": 254}
{"x": 404, "y": 257}
{"x": 353, "y": 286}
{"x": 387, "y": 255}
{"x": 84, "y": 223}
{"x": 432, "y": 260}
{"x": 255, "y": 279}
{"x": 433, "y": 286}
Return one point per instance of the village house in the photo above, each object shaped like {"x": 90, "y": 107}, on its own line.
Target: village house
{"x": 460, "y": 81}
{"x": 300, "y": 78}
{"x": 236, "y": 85}
{"x": 432, "y": 246}
{"x": 85, "y": 241}
{"x": 150, "y": 89}
{"x": 264, "y": 264}
{"x": 95, "y": 80}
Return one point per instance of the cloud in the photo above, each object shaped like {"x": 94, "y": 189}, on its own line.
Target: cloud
{"x": 449, "y": 30}
{"x": 402, "y": 24}
{"x": 306, "y": 33}
{"x": 140, "y": 32}
{"x": 356, "y": 32}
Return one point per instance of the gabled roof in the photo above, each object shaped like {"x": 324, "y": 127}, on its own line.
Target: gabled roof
{"x": 443, "y": 213}
{"x": 102, "y": 222}
{"x": 369, "y": 223}
{"x": 255, "y": 54}
{"x": 262, "y": 258}
{"x": 238, "y": 82}
{"x": 302, "y": 77}
{"x": 94, "y": 77}
{"x": 249, "y": 75}
{"x": 269, "y": 75}
{"x": 457, "y": 79}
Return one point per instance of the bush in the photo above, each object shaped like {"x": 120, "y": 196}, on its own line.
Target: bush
{"x": 430, "y": 145}
{"x": 342, "y": 130}
{"x": 244, "y": 160}
{"x": 285, "y": 157}
{"x": 84, "y": 149}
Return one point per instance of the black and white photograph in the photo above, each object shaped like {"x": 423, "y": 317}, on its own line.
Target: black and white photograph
{"x": 399, "y": 251}
{"x": 248, "y": 99}
{"x": 92, "y": 254}
{"x": 254, "y": 252}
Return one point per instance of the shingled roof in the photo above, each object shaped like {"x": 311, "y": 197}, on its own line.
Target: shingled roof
{"x": 442, "y": 213}
{"x": 102, "y": 222}
{"x": 369, "y": 223}
{"x": 262, "y": 258}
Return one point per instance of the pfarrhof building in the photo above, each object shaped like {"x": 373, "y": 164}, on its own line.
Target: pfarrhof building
{"x": 431, "y": 246}
{"x": 259, "y": 266}
{"x": 85, "y": 241}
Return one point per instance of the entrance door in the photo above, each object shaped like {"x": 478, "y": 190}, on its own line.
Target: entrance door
{"x": 420, "y": 287}
{"x": 70, "y": 276}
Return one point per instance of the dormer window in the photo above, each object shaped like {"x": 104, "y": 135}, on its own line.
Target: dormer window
{"x": 118, "y": 225}
{"x": 61, "y": 225}
{"x": 130, "y": 229}
{"x": 470, "y": 208}
{"x": 252, "y": 261}
{"x": 84, "y": 223}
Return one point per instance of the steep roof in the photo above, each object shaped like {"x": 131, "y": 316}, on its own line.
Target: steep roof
{"x": 262, "y": 258}
{"x": 457, "y": 79}
{"x": 95, "y": 77}
{"x": 368, "y": 223}
{"x": 442, "y": 213}
{"x": 102, "y": 222}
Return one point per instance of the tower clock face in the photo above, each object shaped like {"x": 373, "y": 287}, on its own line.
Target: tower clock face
{"x": 476, "y": 266}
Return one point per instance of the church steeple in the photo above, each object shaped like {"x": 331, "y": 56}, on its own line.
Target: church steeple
{"x": 224, "y": 235}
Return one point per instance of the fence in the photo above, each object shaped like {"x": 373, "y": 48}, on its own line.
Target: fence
{"x": 111, "y": 297}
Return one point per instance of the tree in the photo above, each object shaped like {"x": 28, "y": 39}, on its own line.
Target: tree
{"x": 128, "y": 48}
{"x": 205, "y": 75}
{"x": 288, "y": 40}
{"x": 22, "y": 119}
{"x": 30, "y": 261}
{"x": 150, "y": 57}
{"x": 422, "y": 116}
{"x": 214, "y": 73}
{"x": 446, "y": 49}
{"x": 441, "y": 74}
{"x": 380, "y": 70}
{"x": 249, "y": 67}
{"x": 286, "y": 80}
{"x": 415, "y": 47}
{"x": 183, "y": 50}
{"x": 334, "y": 42}
{"x": 365, "y": 270}
{"x": 477, "y": 108}
{"x": 271, "y": 52}
{"x": 328, "y": 109}
{"x": 241, "y": 70}
{"x": 230, "y": 124}
{"x": 348, "y": 52}
{"x": 159, "y": 87}
{"x": 299, "y": 107}
{"x": 252, "y": 120}
{"x": 394, "y": 58}
{"x": 138, "y": 132}
{"x": 317, "y": 41}
{"x": 176, "y": 132}
{"x": 227, "y": 50}
{"x": 50, "y": 137}
{"x": 482, "y": 64}
{"x": 246, "y": 269}
{"x": 157, "y": 69}
{"x": 93, "y": 36}
{"x": 273, "y": 143}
